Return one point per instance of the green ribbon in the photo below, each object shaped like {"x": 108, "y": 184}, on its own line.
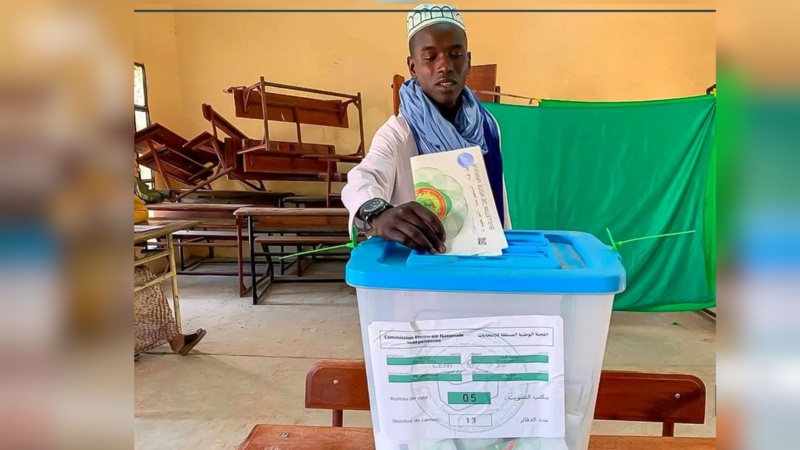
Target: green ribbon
{"x": 351, "y": 245}
{"x": 354, "y": 243}
{"x": 616, "y": 245}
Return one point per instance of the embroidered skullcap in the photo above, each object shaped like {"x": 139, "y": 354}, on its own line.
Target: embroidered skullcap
{"x": 427, "y": 14}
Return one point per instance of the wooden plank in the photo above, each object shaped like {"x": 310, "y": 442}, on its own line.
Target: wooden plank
{"x": 203, "y": 142}
{"x": 224, "y": 244}
{"x": 285, "y": 157}
{"x": 283, "y": 162}
{"x": 182, "y": 165}
{"x": 290, "y": 108}
{"x": 202, "y": 216}
{"x": 483, "y": 78}
{"x": 298, "y": 223}
{"x": 302, "y": 228}
{"x": 151, "y": 257}
{"x": 172, "y": 143}
{"x": 299, "y": 437}
{"x": 287, "y": 148}
{"x": 598, "y": 442}
{"x": 348, "y": 393}
{"x": 159, "y": 133}
{"x": 337, "y": 158}
{"x": 236, "y": 197}
{"x": 307, "y": 438}
{"x": 268, "y": 170}
{"x": 213, "y": 234}
{"x": 197, "y": 207}
{"x": 280, "y": 176}
{"x": 219, "y": 215}
{"x": 289, "y": 212}
{"x": 622, "y": 395}
{"x": 166, "y": 227}
{"x": 305, "y": 201}
{"x": 222, "y": 123}
{"x": 651, "y": 397}
{"x": 303, "y": 240}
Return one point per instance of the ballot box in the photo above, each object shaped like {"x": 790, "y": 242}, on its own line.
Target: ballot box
{"x": 487, "y": 352}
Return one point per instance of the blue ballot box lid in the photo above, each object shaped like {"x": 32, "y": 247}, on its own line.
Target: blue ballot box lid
{"x": 540, "y": 262}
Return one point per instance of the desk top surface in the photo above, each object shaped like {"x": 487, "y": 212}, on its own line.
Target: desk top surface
{"x": 165, "y": 228}
{"x": 286, "y": 212}
{"x": 231, "y": 207}
{"x": 214, "y": 193}
{"x": 299, "y": 437}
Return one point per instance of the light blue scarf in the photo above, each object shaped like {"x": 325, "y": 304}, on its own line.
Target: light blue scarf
{"x": 432, "y": 132}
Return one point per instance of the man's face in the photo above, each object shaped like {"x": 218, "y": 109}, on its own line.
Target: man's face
{"x": 440, "y": 62}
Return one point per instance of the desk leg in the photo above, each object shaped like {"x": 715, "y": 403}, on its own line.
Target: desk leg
{"x": 251, "y": 241}
{"x": 176, "y": 305}
{"x": 239, "y": 259}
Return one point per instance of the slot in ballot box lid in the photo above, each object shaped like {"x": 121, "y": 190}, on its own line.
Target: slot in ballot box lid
{"x": 537, "y": 262}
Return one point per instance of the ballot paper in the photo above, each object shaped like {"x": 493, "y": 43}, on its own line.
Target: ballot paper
{"x": 454, "y": 185}
{"x": 485, "y": 377}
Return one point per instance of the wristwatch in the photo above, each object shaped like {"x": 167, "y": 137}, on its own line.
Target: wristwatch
{"x": 372, "y": 209}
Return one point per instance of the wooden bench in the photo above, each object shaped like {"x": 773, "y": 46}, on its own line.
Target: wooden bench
{"x": 306, "y": 437}
{"x": 291, "y": 227}
{"x": 627, "y": 396}
{"x": 217, "y": 227}
{"x": 291, "y": 244}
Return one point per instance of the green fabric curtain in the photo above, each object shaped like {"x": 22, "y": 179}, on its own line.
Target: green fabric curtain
{"x": 638, "y": 168}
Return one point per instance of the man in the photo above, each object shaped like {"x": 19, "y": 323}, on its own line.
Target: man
{"x": 437, "y": 114}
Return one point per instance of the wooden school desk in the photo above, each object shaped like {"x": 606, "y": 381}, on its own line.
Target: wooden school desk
{"x": 322, "y": 224}
{"x": 299, "y": 437}
{"x": 162, "y": 231}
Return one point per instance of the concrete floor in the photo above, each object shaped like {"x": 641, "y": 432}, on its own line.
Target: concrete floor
{"x": 251, "y": 367}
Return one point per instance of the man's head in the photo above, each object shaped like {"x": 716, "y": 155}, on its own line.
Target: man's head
{"x": 437, "y": 44}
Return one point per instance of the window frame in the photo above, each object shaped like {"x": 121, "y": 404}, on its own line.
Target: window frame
{"x": 151, "y": 182}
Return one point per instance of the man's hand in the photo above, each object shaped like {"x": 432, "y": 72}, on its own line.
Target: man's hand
{"x": 412, "y": 225}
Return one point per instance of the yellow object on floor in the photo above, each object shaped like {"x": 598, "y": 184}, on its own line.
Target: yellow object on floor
{"x": 139, "y": 210}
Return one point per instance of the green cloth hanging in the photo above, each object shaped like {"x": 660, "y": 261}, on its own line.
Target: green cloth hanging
{"x": 639, "y": 168}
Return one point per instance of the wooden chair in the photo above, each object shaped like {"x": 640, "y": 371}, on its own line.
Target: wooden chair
{"x": 481, "y": 79}
{"x": 191, "y": 163}
{"x": 628, "y": 396}
{"x": 255, "y": 102}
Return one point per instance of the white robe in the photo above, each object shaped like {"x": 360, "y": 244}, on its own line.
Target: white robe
{"x": 385, "y": 172}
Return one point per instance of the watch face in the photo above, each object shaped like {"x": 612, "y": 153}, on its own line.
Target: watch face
{"x": 373, "y": 205}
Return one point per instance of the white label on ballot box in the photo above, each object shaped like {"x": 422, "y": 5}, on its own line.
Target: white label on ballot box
{"x": 489, "y": 377}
